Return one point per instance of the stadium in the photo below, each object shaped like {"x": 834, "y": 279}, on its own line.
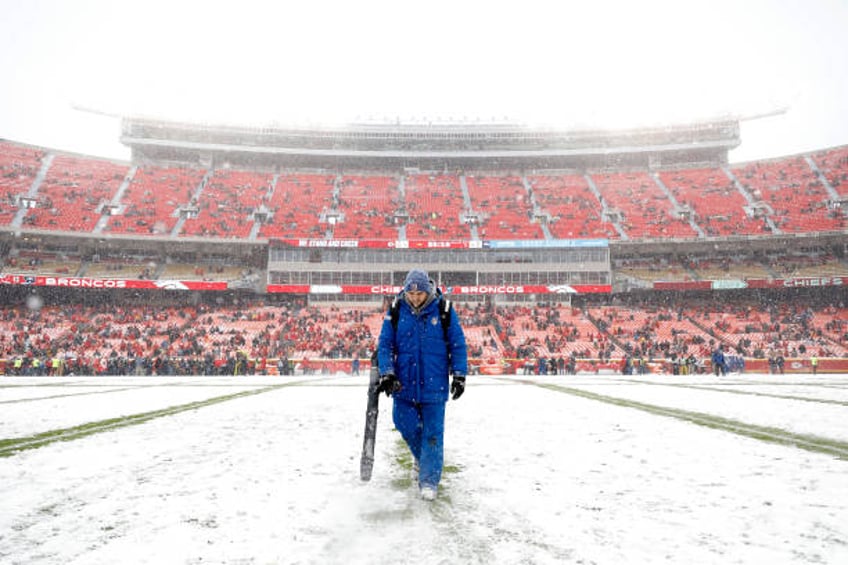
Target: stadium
{"x": 207, "y": 208}
{"x": 221, "y": 249}
{"x": 593, "y": 271}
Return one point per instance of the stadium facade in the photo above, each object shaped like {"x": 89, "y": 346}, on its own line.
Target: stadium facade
{"x": 536, "y": 264}
{"x": 499, "y": 214}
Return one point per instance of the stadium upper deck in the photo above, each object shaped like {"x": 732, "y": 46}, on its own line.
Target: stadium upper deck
{"x": 431, "y": 147}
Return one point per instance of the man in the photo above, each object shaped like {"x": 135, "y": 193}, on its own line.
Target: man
{"x": 719, "y": 367}
{"x": 419, "y": 348}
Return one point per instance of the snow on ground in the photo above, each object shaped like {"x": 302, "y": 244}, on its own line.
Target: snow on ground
{"x": 786, "y": 406}
{"x": 586, "y": 469}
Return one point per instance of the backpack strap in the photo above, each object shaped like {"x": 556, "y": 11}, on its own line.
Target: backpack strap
{"x": 394, "y": 311}
{"x": 445, "y": 307}
{"x": 445, "y": 314}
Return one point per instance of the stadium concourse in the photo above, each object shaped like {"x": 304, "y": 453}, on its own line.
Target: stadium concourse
{"x": 237, "y": 250}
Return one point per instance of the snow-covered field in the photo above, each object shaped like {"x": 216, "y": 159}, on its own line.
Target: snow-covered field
{"x": 265, "y": 470}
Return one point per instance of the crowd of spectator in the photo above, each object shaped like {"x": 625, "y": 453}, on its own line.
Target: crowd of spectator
{"x": 253, "y": 336}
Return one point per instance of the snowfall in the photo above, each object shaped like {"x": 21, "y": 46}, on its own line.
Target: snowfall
{"x": 604, "y": 469}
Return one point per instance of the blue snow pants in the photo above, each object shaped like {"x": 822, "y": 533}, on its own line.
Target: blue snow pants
{"x": 422, "y": 426}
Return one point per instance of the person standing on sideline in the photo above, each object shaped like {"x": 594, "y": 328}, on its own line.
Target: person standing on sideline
{"x": 814, "y": 363}
{"x": 719, "y": 366}
{"x": 418, "y": 350}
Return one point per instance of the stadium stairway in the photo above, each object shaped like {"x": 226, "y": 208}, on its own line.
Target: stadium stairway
{"x": 677, "y": 208}
{"x": 263, "y": 209}
{"x": 254, "y": 230}
{"x": 466, "y": 204}
{"x": 262, "y": 214}
{"x": 178, "y": 226}
{"x": 605, "y": 212}
{"x": 752, "y": 202}
{"x": 335, "y": 210}
{"x": 116, "y": 200}
{"x": 709, "y": 331}
{"x": 18, "y": 220}
{"x": 466, "y": 196}
{"x": 537, "y": 211}
{"x": 603, "y": 330}
{"x": 823, "y": 178}
{"x": 402, "y": 205}
{"x": 402, "y": 189}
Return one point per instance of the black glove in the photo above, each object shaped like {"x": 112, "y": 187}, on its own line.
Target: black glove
{"x": 389, "y": 384}
{"x": 457, "y": 386}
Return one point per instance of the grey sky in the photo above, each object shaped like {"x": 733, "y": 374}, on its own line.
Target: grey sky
{"x": 605, "y": 63}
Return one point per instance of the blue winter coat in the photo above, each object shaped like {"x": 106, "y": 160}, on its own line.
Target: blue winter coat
{"x": 417, "y": 352}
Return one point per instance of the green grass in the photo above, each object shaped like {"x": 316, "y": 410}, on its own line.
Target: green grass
{"x": 779, "y": 436}
{"x": 11, "y": 446}
{"x": 745, "y": 392}
{"x": 405, "y": 479}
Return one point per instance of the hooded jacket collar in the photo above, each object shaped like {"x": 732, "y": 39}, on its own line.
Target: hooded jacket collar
{"x": 431, "y": 297}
